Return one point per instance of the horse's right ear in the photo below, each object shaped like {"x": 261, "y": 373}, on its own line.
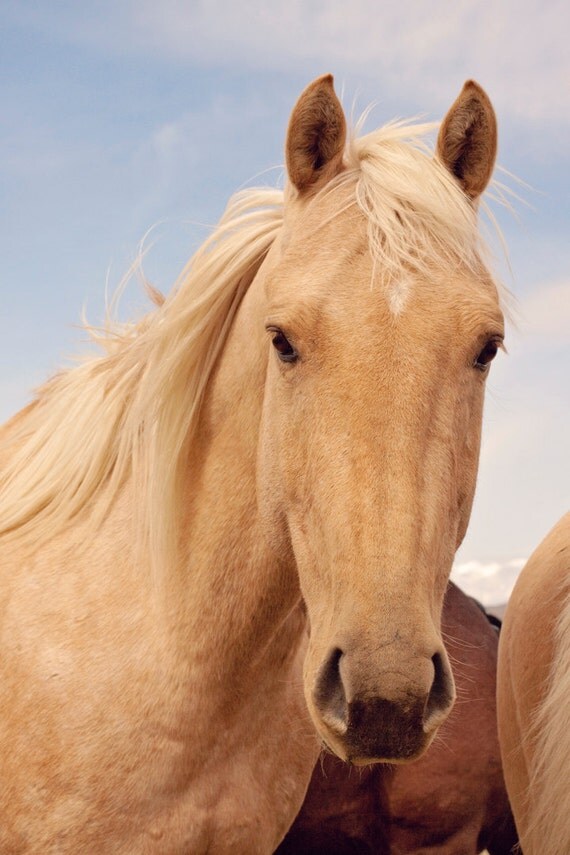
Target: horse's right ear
{"x": 315, "y": 137}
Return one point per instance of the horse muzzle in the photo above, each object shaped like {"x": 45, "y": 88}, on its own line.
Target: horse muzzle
{"x": 392, "y": 717}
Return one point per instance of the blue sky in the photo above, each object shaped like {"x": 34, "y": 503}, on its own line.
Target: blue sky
{"x": 118, "y": 117}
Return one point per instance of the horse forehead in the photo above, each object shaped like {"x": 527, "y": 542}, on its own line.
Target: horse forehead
{"x": 354, "y": 293}
{"x": 326, "y": 265}
{"x": 319, "y": 271}
{"x": 318, "y": 243}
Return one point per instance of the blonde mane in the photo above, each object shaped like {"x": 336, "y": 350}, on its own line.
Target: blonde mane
{"x": 417, "y": 215}
{"x": 133, "y": 411}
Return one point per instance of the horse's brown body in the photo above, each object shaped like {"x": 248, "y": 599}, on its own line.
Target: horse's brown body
{"x": 453, "y": 800}
{"x": 533, "y": 697}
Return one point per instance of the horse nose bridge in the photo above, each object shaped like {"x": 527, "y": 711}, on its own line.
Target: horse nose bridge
{"x": 371, "y": 519}
{"x": 386, "y": 606}
{"x": 402, "y": 474}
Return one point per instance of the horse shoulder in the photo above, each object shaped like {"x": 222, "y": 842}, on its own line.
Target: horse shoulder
{"x": 527, "y": 652}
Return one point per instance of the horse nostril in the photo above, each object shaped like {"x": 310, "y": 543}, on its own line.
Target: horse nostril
{"x": 440, "y": 695}
{"x": 329, "y": 693}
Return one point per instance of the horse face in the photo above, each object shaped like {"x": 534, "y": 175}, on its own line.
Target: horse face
{"x": 367, "y": 465}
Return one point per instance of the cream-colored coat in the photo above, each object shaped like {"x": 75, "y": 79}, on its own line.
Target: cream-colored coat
{"x": 228, "y": 538}
{"x": 534, "y": 697}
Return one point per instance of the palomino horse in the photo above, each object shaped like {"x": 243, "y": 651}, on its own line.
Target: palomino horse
{"x": 232, "y": 531}
{"x": 453, "y": 800}
{"x": 534, "y": 697}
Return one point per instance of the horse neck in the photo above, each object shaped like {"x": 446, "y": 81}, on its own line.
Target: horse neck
{"x": 243, "y": 602}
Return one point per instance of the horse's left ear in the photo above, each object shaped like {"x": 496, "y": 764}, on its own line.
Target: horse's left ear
{"x": 315, "y": 137}
{"x": 467, "y": 141}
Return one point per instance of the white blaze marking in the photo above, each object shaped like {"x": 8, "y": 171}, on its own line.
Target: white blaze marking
{"x": 397, "y": 295}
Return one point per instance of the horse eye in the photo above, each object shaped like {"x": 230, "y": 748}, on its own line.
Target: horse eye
{"x": 285, "y": 350}
{"x": 487, "y": 355}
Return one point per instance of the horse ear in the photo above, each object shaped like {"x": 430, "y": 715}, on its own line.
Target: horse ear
{"x": 467, "y": 141}
{"x": 315, "y": 137}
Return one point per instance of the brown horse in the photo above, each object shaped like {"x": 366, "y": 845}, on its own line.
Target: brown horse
{"x": 534, "y": 697}
{"x": 228, "y": 537}
{"x": 451, "y": 801}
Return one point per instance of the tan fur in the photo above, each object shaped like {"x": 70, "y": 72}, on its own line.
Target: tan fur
{"x": 163, "y": 712}
{"x": 533, "y": 691}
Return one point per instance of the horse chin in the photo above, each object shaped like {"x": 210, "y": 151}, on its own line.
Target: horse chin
{"x": 353, "y": 758}
{"x": 381, "y": 744}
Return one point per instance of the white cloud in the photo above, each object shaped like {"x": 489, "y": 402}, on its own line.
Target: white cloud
{"x": 519, "y": 53}
{"x": 491, "y": 583}
{"x": 422, "y": 46}
{"x": 546, "y": 313}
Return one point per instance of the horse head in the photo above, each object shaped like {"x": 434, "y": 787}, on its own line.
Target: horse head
{"x": 381, "y": 320}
